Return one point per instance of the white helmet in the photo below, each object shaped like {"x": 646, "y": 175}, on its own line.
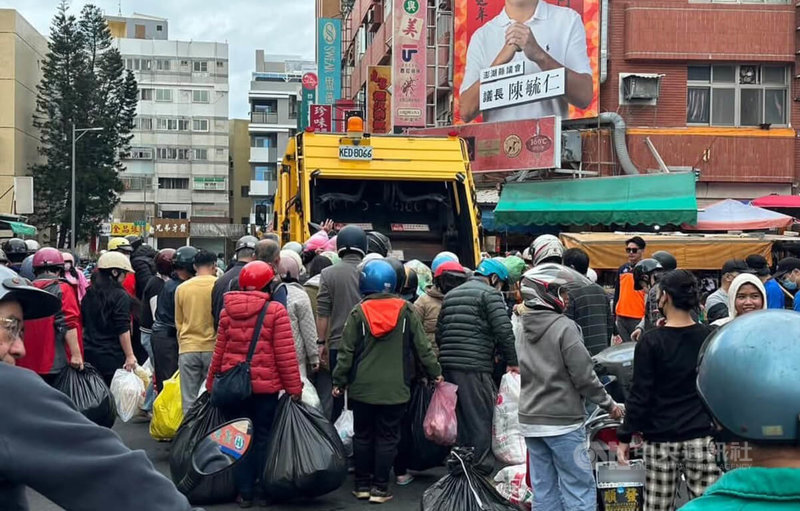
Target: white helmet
{"x": 526, "y": 255}
{"x": 545, "y": 247}
{"x": 592, "y": 275}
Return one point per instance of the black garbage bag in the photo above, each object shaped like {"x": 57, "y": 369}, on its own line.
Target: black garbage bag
{"x": 201, "y": 419}
{"x": 423, "y": 454}
{"x": 305, "y": 458}
{"x": 463, "y": 489}
{"x": 89, "y": 393}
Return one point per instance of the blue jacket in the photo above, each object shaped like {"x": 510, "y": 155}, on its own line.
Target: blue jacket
{"x": 752, "y": 489}
{"x": 775, "y": 296}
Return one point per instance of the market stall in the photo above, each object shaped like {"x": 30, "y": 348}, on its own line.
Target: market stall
{"x": 732, "y": 215}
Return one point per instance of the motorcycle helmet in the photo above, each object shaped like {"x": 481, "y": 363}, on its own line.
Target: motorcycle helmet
{"x": 290, "y": 265}
{"x": 400, "y": 272}
{"x": 164, "y": 260}
{"x": 184, "y": 258}
{"x": 135, "y": 241}
{"x": 26, "y": 268}
{"x": 246, "y": 242}
{"x": 546, "y": 247}
{"x": 3, "y": 258}
{"x": 293, "y": 246}
{"x": 114, "y": 261}
{"x": 35, "y": 303}
{"x": 642, "y": 272}
{"x": 545, "y": 286}
{"x": 489, "y": 267}
{"x": 15, "y": 249}
{"x": 745, "y": 377}
{"x": 351, "y": 239}
{"x": 442, "y": 257}
{"x": 378, "y": 243}
{"x": 32, "y": 245}
{"x": 422, "y": 273}
{"x": 667, "y": 260}
{"x": 449, "y": 276}
{"x": 378, "y": 277}
{"x": 119, "y": 245}
{"x": 255, "y": 276}
{"x": 48, "y": 257}
{"x": 526, "y": 256}
{"x": 516, "y": 267}
{"x": 411, "y": 284}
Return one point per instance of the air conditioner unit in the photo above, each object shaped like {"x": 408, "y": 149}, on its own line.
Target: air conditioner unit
{"x": 639, "y": 88}
{"x": 571, "y": 146}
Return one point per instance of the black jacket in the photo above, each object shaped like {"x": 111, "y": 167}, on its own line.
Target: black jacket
{"x": 590, "y": 309}
{"x": 473, "y": 325}
{"x": 46, "y": 444}
{"x": 222, "y": 286}
{"x": 663, "y": 403}
{"x": 143, "y": 261}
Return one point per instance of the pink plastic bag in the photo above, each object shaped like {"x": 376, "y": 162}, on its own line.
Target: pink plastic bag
{"x": 441, "y": 425}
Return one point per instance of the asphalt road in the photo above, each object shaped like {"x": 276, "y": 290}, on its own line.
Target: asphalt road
{"x": 136, "y": 436}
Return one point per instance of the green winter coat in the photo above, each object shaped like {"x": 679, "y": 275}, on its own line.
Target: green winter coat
{"x": 752, "y": 489}
{"x": 381, "y": 341}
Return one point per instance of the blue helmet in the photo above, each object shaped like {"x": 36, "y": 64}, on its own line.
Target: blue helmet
{"x": 443, "y": 257}
{"x": 760, "y": 366}
{"x": 489, "y": 267}
{"x": 378, "y": 276}
{"x": 26, "y": 269}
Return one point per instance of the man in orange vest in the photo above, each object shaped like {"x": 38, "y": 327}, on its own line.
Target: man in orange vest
{"x": 629, "y": 306}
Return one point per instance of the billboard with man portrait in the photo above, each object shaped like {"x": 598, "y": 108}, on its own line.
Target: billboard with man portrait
{"x": 533, "y": 39}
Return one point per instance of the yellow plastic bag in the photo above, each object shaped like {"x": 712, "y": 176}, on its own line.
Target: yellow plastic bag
{"x": 167, "y": 410}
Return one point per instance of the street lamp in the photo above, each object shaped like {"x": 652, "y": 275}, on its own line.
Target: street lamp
{"x": 79, "y": 132}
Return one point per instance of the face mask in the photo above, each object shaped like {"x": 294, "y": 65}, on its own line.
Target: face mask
{"x": 789, "y": 285}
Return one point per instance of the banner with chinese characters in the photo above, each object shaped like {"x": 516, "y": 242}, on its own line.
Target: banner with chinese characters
{"x": 121, "y": 229}
{"x": 171, "y": 228}
{"x": 409, "y": 63}
{"x": 517, "y": 90}
{"x": 508, "y": 146}
{"x": 329, "y": 55}
{"x": 564, "y": 33}
{"x": 322, "y": 118}
{"x": 379, "y": 102}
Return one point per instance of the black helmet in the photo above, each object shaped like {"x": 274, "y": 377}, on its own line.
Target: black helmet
{"x": 246, "y": 242}
{"x": 135, "y": 240}
{"x": 184, "y": 258}
{"x": 351, "y": 239}
{"x": 411, "y": 283}
{"x": 400, "y": 271}
{"x": 378, "y": 243}
{"x": 667, "y": 260}
{"x": 642, "y": 271}
{"x": 546, "y": 285}
{"x": 16, "y": 250}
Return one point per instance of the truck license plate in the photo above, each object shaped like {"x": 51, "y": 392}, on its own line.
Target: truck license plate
{"x": 355, "y": 152}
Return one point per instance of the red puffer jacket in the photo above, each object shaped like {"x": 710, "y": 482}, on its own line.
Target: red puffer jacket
{"x": 274, "y": 365}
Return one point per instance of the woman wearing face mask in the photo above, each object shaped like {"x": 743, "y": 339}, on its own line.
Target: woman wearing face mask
{"x": 106, "y": 317}
{"x": 663, "y": 404}
{"x": 74, "y": 276}
{"x": 746, "y": 294}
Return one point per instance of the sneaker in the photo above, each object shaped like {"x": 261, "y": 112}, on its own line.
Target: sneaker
{"x": 361, "y": 493}
{"x": 244, "y": 503}
{"x": 377, "y": 496}
{"x": 405, "y": 480}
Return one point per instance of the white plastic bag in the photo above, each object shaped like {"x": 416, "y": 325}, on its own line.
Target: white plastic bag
{"x": 310, "y": 396}
{"x": 510, "y": 483}
{"x": 508, "y": 444}
{"x": 128, "y": 392}
{"x": 345, "y": 427}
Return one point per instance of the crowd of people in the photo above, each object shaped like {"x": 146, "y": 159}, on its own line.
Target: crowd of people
{"x": 342, "y": 314}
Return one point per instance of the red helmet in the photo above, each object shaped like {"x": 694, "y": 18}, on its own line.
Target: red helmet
{"x": 164, "y": 264}
{"x": 448, "y": 266}
{"x": 48, "y": 257}
{"x": 255, "y": 276}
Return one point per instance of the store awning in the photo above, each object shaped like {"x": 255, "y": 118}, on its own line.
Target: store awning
{"x": 18, "y": 228}
{"x": 653, "y": 199}
{"x": 732, "y": 215}
{"x": 778, "y": 201}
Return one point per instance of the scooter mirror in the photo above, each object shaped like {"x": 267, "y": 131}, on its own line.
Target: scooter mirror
{"x": 223, "y": 447}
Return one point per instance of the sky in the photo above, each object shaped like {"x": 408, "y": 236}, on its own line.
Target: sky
{"x": 283, "y": 27}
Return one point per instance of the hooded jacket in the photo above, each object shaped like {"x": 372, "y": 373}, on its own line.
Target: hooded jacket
{"x": 304, "y": 328}
{"x": 738, "y": 282}
{"x": 143, "y": 261}
{"x": 428, "y": 306}
{"x": 382, "y": 339}
{"x": 762, "y": 489}
{"x": 557, "y": 371}
{"x": 274, "y": 364}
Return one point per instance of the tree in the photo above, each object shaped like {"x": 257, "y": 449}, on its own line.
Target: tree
{"x": 84, "y": 83}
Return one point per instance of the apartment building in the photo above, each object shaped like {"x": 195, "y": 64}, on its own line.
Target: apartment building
{"x": 274, "y": 98}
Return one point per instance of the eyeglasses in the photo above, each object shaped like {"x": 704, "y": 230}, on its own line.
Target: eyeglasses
{"x": 14, "y": 327}
{"x": 632, "y": 250}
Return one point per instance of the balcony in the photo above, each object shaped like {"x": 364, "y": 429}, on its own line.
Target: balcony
{"x": 263, "y": 155}
{"x": 262, "y": 188}
{"x": 264, "y": 117}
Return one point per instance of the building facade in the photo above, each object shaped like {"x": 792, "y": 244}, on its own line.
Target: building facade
{"x": 179, "y": 161}
{"x": 274, "y": 98}
{"x": 241, "y": 205}
{"x": 22, "y": 50}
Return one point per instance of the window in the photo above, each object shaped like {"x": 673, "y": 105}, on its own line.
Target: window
{"x": 263, "y": 141}
{"x": 141, "y": 153}
{"x": 173, "y": 183}
{"x": 200, "y": 66}
{"x": 137, "y": 183}
{"x": 139, "y": 64}
{"x": 143, "y": 123}
{"x": 200, "y": 125}
{"x": 164, "y": 95}
{"x": 159, "y": 28}
{"x": 183, "y": 153}
{"x": 264, "y": 173}
{"x": 737, "y": 95}
{"x": 173, "y": 215}
{"x": 162, "y": 65}
{"x": 199, "y": 96}
{"x": 220, "y": 64}
{"x": 146, "y": 94}
{"x": 200, "y": 154}
{"x": 185, "y": 64}
{"x": 245, "y": 194}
